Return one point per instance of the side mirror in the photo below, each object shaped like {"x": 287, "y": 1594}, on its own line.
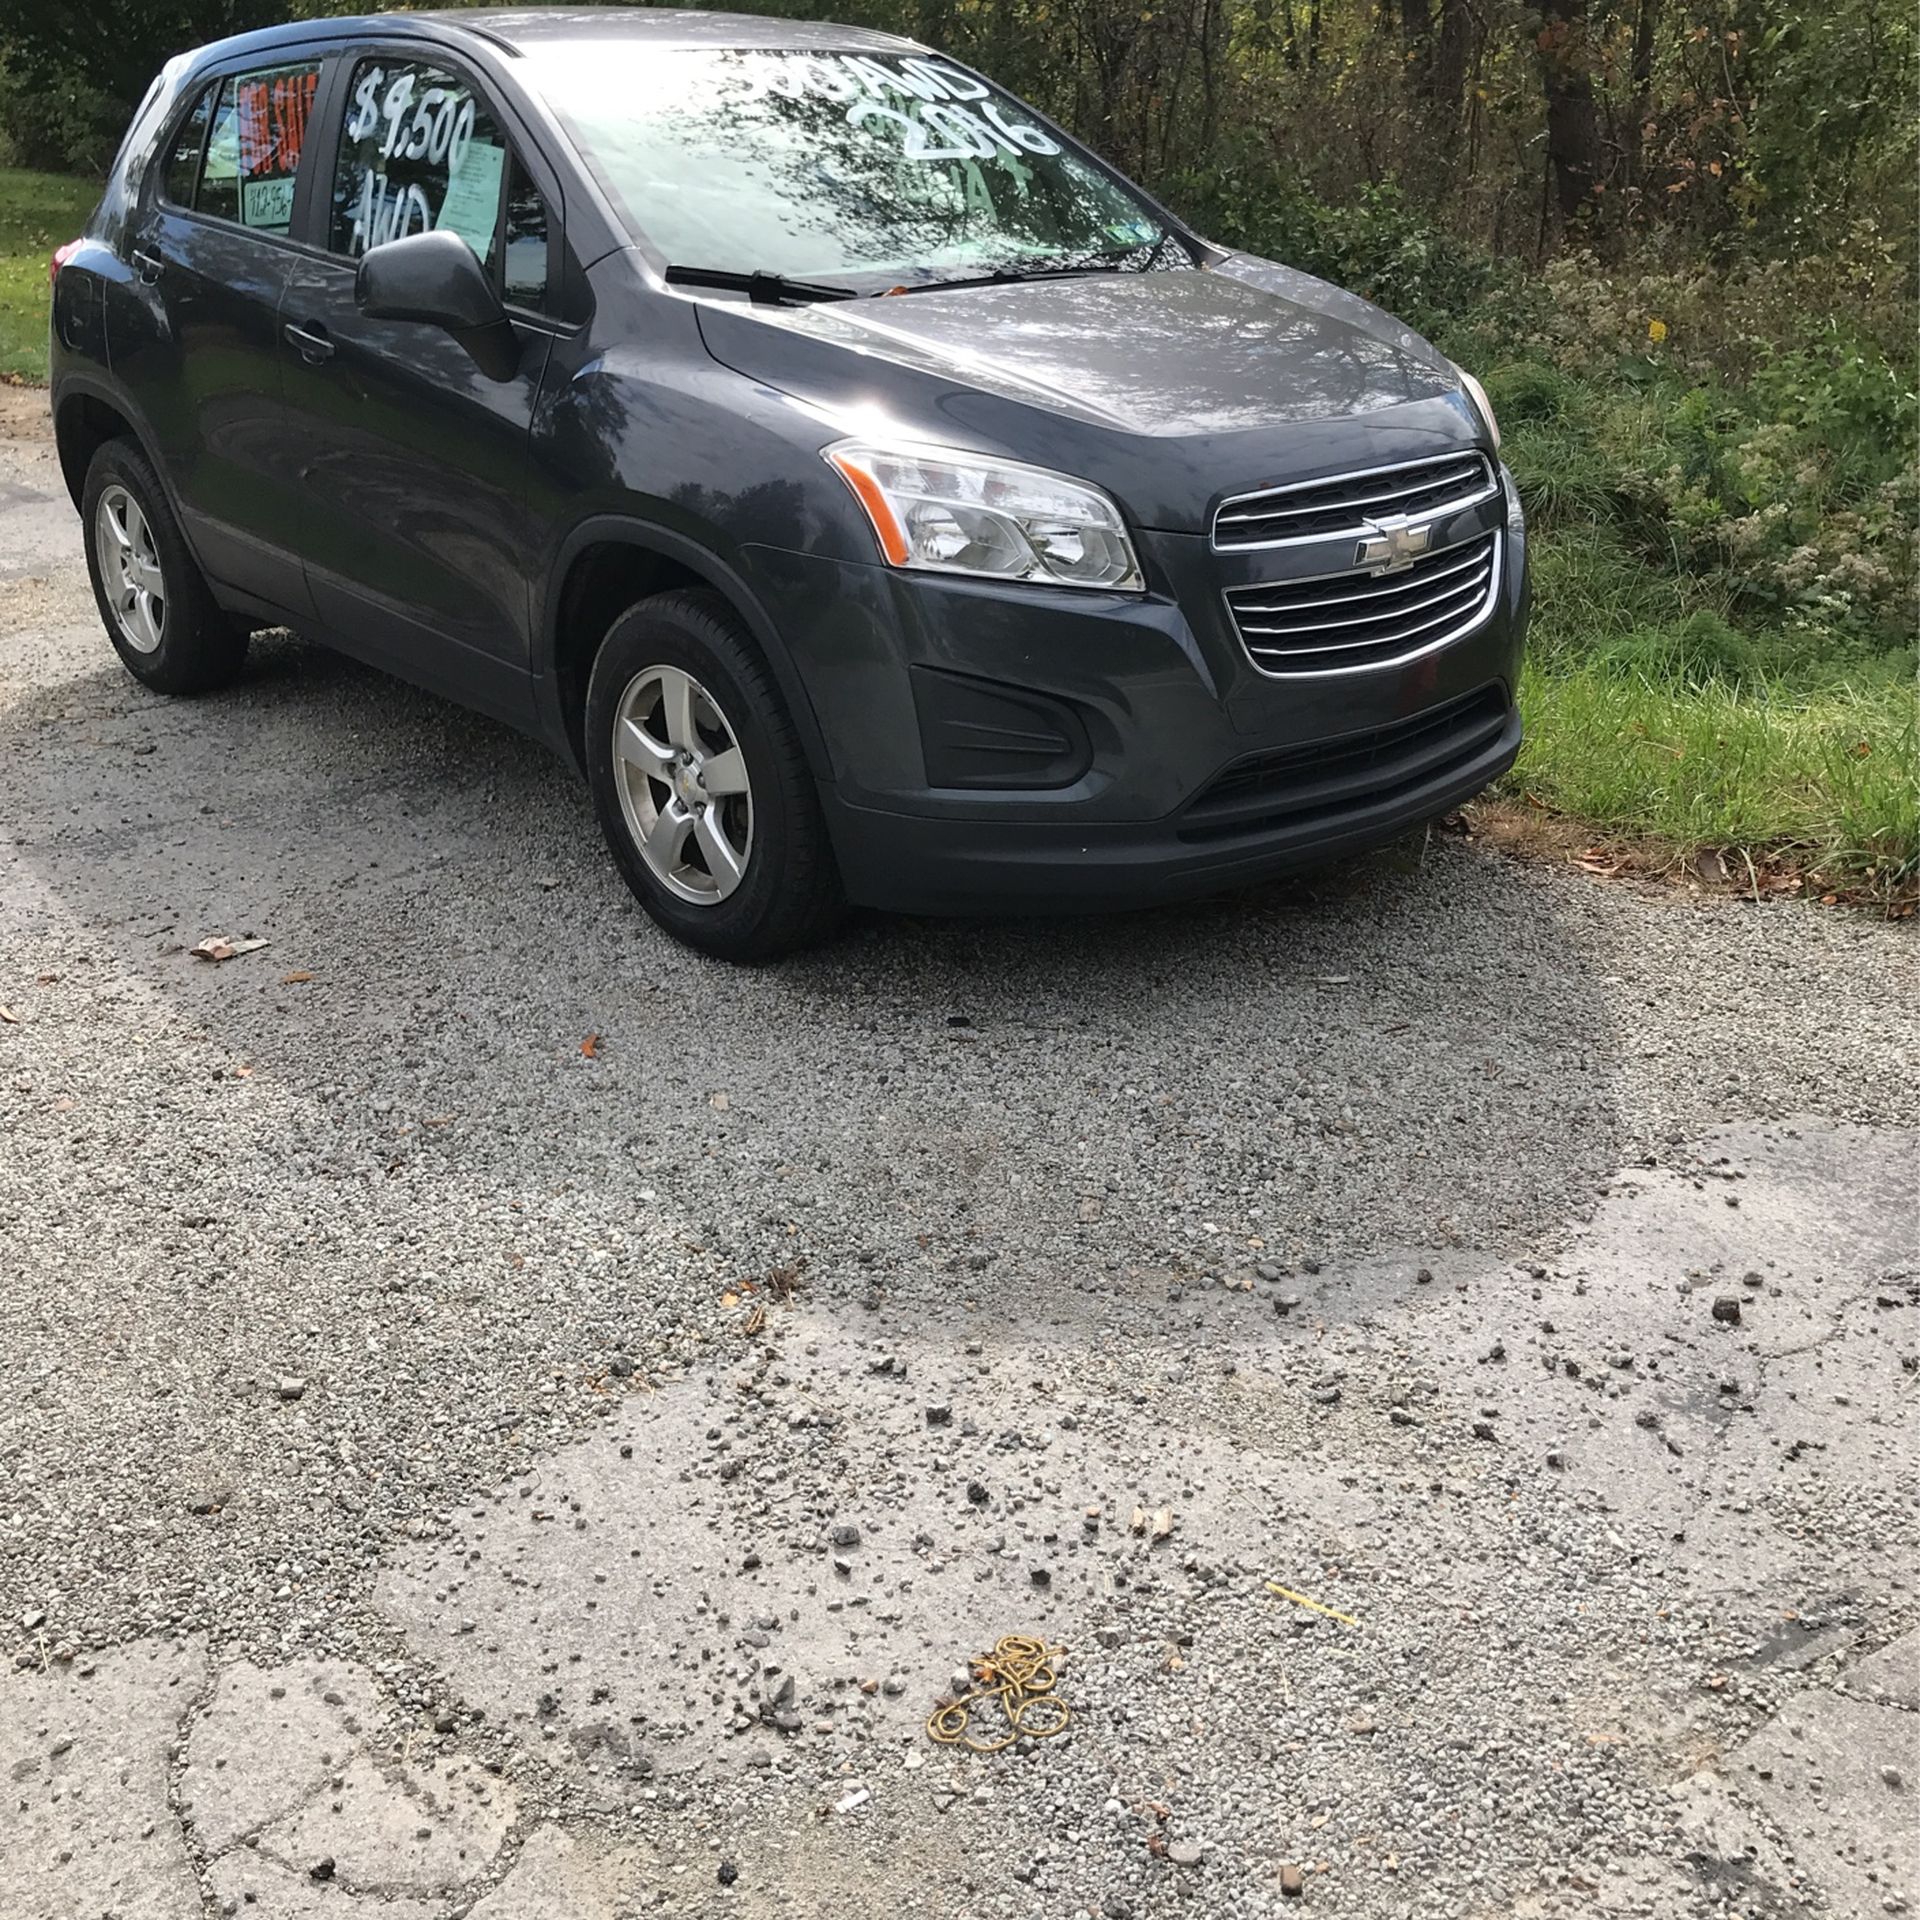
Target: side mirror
{"x": 435, "y": 279}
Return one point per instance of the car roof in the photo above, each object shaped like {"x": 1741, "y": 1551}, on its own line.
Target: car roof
{"x": 509, "y": 30}
{"x": 516, "y": 27}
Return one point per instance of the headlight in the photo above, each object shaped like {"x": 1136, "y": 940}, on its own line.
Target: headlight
{"x": 1478, "y": 395}
{"x": 948, "y": 512}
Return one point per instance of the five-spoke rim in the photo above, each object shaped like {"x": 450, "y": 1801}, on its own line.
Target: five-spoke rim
{"x": 130, "y": 570}
{"x": 683, "y": 785}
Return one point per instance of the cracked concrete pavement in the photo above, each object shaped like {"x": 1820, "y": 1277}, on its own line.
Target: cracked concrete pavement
{"x": 444, "y": 1474}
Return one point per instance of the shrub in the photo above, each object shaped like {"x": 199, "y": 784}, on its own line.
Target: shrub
{"x": 58, "y": 124}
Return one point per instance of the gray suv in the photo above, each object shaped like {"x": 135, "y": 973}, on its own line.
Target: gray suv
{"x": 876, "y": 496}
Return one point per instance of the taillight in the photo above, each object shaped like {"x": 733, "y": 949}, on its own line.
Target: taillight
{"x": 61, "y": 255}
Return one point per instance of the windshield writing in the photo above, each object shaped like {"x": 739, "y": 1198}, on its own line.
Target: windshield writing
{"x": 833, "y": 165}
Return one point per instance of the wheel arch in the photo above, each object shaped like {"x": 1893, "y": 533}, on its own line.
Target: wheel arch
{"x": 84, "y": 420}
{"x": 605, "y": 566}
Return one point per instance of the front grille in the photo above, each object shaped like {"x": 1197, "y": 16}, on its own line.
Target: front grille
{"x": 1297, "y": 786}
{"x": 1335, "y": 622}
{"x": 1318, "y": 509}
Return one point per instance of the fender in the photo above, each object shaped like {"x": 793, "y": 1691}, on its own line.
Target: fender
{"x": 725, "y": 579}
{"x": 96, "y": 386}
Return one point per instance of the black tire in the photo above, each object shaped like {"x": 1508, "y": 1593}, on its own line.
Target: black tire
{"x": 788, "y": 894}
{"x": 194, "y": 646}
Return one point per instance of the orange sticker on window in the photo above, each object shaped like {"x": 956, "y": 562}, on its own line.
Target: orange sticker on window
{"x": 273, "y": 121}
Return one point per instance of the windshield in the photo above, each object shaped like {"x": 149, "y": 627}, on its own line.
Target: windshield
{"x": 834, "y": 165}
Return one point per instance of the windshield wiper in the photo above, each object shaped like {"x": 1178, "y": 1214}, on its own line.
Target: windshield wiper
{"x": 1103, "y": 262}
{"x": 758, "y": 286}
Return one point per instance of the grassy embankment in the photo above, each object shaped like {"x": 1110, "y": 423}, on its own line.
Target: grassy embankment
{"x": 37, "y": 212}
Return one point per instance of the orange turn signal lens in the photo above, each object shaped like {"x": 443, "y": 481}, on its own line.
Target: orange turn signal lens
{"x": 866, "y": 489}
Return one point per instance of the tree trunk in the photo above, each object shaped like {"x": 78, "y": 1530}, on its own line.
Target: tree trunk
{"x": 1416, "y": 43}
{"x": 1289, "y": 36}
{"x": 1645, "y": 24}
{"x": 1452, "y": 54}
{"x": 1573, "y": 127}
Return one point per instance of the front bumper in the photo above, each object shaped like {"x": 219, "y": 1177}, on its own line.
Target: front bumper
{"x": 1019, "y": 749}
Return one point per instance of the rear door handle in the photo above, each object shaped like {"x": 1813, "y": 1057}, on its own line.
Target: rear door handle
{"x": 147, "y": 265}
{"x": 312, "y": 341}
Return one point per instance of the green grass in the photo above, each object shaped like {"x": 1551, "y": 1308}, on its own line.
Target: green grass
{"x": 1658, "y": 708}
{"x": 1824, "y": 777}
{"x": 37, "y": 212}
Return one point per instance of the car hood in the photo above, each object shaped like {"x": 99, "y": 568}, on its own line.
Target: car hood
{"x": 1170, "y": 389}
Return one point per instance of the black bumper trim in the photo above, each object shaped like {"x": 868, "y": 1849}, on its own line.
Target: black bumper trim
{"x": 928, "y": 863}
{"x": 1324, "y": 778}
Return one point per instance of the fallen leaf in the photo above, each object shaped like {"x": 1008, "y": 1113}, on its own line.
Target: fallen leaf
{"x": 590, "y": 1046}
{"x": 1138, "y": 1524}
{"x": 217, "y": 946}
{"x": 9, "y": 1016}
{"x": 729, "y": 1300}
{"x": 295, "y": 979}
{"x": 719, "y": 1102}
{"x": 1162, "y": 1522}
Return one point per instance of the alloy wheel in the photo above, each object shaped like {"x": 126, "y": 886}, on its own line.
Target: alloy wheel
{"x": 130, "y": 568}
{"x": 683, "y": 785}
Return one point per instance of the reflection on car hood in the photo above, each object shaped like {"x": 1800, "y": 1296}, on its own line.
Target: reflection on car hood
{"x": 1243, "y": 346}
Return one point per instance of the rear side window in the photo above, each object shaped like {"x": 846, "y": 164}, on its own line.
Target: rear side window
{"x": 254, "y": 144}
{"x": 420, "y": 151}
{"x": 183, "y": 162}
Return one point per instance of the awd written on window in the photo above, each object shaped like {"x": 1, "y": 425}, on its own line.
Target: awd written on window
{"x": 417, "y": 153}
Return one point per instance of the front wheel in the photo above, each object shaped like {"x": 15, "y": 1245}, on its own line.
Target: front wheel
{"x": 701, "y": 786}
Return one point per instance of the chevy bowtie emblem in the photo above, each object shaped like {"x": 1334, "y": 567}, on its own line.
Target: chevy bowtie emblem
{"x": 1393, "y": 546}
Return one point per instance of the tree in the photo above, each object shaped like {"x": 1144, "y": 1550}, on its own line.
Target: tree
{"x": 1564, "y": 43}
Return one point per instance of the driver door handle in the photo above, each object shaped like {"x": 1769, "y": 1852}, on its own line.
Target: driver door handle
{"x": 147, "y": 265}
{"x": 312, "y": 341}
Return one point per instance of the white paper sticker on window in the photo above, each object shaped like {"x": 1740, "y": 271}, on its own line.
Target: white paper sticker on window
{"x": 472, "y": 206}
{"x": 267, "y": 204}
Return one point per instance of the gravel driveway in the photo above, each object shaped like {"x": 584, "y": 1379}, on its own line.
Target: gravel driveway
{"x": 503, "y": 1416}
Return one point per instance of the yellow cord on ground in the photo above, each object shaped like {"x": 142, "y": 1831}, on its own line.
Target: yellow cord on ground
{"x": 1019, "y": 1673}
{"x": 1301, "y": 1600}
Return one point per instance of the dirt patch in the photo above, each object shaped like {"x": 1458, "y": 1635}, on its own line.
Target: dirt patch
{"x": 1528, "y": 831}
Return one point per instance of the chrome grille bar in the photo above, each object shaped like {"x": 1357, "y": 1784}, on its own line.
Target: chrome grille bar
{"x": 1334, "y": 623}
{"x": 1346, "y": 503}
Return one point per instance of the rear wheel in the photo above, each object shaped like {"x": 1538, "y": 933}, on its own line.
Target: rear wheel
{"x": 155, "y": 605}
{"x": 701, "y": 786}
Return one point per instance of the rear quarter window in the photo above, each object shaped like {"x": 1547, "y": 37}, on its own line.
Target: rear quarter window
{"x": 181, "y": 178}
